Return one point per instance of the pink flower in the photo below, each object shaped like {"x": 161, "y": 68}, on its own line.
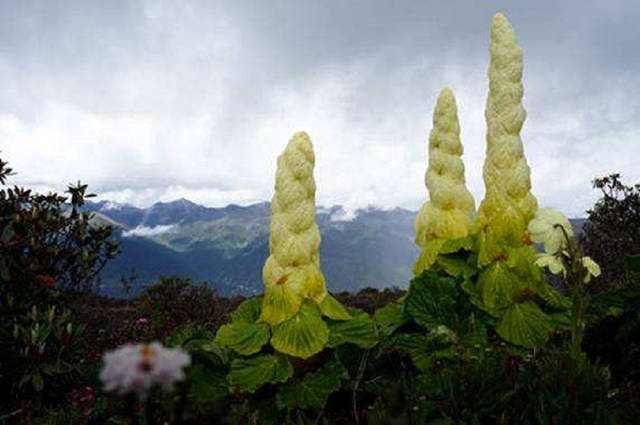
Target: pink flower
{"x": 142, "y": 321}
{"x": 137, "y": 368}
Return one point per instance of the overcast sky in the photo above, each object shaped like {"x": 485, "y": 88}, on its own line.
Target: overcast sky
{"x": 151, "y": 100}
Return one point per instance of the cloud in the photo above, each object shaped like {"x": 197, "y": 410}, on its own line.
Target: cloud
{"x": 151, "y": 101}
{"x": 146, "y": 232}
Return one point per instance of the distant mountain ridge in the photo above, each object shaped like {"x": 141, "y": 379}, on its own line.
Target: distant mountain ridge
{"x": 228, "y": 246}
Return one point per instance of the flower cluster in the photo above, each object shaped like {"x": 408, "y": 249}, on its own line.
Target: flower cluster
{"x": 553, "y": 229}
{"x": 137, "y": 368}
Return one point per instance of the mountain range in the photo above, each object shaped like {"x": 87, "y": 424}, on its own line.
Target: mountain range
{"x": 227, "y": 247}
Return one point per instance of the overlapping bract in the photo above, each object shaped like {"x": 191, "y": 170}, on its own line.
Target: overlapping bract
{"x": 502, "y": 277}
{"x": 295, "y": 292}
{"x": 292, "y": 271}
{"x": 508, "y": 204}
{"x": 447, "y": 214}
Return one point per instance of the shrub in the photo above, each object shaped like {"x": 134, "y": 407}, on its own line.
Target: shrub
{"x": 612, "y": 229}
{"x": 174, "y": 301}
{"x": 47, "y": 243}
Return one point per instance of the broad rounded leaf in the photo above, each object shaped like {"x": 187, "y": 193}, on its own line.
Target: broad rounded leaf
{"x": 524, "y": 324}
{"x": 248, "y": 311}
{"x": 279, "y": 303}
{"x": 498, "y": 287}
{"x": 359, "y": 330}
{"x": 244, "y": 338}
{"x": 455, "y": 245}
{"x": 208, "y": 384}
{"x": 428, "y": 255}
{"x": 303, "y": 335}
{"x": 313, "y": 389}
{"x": 425, "y": 349}
{"x": 249, "y": 374}
{"x": 332, "y": 308}
{"x": 456, "y": 267}
{"x": 390, "y": 317}
{"x": 431, "y": 300}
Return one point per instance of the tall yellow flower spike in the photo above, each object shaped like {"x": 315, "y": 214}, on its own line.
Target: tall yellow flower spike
{"x": 508, "y": 204}
{"x": 295, "y": 292}
{"x": 447, "y": 215}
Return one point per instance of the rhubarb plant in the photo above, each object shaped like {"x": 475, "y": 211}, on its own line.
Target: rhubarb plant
{"x": 296, "y": 316}
{"x": 447, "y": 215}
{"x": 491, "y": 254}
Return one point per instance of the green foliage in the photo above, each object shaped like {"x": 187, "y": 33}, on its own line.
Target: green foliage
{"x": 390, "y": 317}
{"x": 175, "y": 300}
{"x": 41, "y": 352}
{"x": 46, "y": 242}
{"x": 612, "y": 229}
{"x": 248, "y": 311}
{"x": 302, "y": 335}
{"x": 431, "y": 300}
{"x": 249, "y": 374}
{"x": 332, "y": 308}
{"x": 313, "y": 389}
{"x": 208, "y": 380}
{"x": 245, "y": 334}
{"x": 245, "y": 338}
{"x": 524, "y": 324}
{"x": 359, "y": 330}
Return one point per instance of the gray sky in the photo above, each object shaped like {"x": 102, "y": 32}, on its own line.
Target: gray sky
{"x": 151, "y": 100}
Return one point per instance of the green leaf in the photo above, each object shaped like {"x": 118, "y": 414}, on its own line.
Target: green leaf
{"x": 522, "y": 260}
{"x": 303, "y": 335}
{"x": 208, "y": 384}
{"x": 561, "y": 321}
{"x": 524, "y": 324}
{"x": 431, "y": 300}
{"x": 359, "y": 330}
{"x": 390, "y": 317}
{"x": 455, "y": 245}
{"x": 249, "y": 374}
{"x": 498, "y": 287}
{"x": 245, "y": 338}
{"x": 470, "y": 288}
{"x": 313, "y": 389}
{"x": 425, "y": 349}
{"x": 332, "y": 308}
{"x": 248, "y": 311}
{"x": 428, "y": 254}
{"x": 551, "y": 296}
{"x": 625, "y": 298}
{"x": 222, "y": 355}
{"x": 186, "y": 335}
{"x": 474, "y": 335}
{"x": 456, "y": 267}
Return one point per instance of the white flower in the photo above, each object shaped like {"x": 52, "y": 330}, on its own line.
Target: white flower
{"x": 543, "y": 228}
{"x": 593, "y": 269}
{"x": 137, "y": 368}
{"x": 552, "y": 262}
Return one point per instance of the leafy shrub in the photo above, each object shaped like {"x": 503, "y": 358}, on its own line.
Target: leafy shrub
{"x": 174, "y": 301}
{"x": 47, "y": 243}
{"x": 41, "y": 355}
{"x": 612, "y": 229}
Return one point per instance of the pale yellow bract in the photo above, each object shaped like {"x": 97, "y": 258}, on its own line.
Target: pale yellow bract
{"x": 508, "y": 205}
{"x": 447, "y": 214}
{"x": 292, "y": 271}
